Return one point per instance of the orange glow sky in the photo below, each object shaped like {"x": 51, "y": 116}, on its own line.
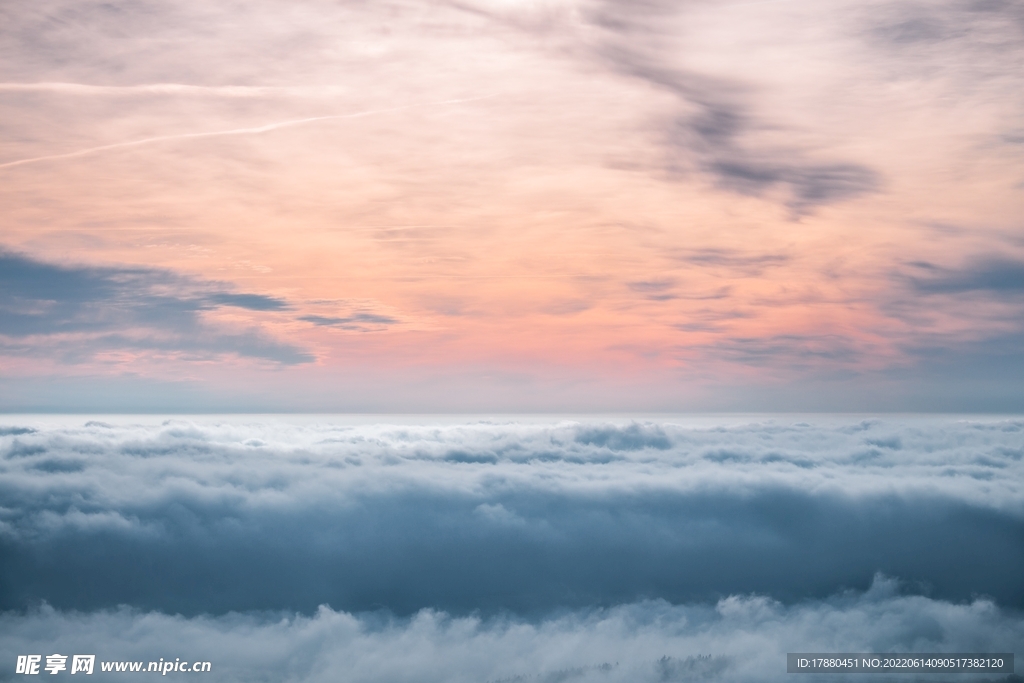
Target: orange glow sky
{"x": 512, "y": 205}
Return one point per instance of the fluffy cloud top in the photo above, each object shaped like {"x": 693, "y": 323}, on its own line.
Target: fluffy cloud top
{"x": 528, "y": 516}
{"x": 739, "y": 638}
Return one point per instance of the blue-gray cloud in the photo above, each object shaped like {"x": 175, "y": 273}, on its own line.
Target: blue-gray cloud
{"x": 254, "y": 302}
{"x": 993, "y": 274}
{"x": 125, "y": 308}
{"x": 528, "y": 518}
{"x": 355, "y": 321}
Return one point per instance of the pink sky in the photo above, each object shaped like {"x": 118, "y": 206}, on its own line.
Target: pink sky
{"x": 512, "y": 205}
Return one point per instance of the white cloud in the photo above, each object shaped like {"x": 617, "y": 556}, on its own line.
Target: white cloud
{"x": 217, "y": 514}
{"x": 743, "y": 638}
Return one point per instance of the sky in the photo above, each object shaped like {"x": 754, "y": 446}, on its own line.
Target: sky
{"x": 512, "y": 205}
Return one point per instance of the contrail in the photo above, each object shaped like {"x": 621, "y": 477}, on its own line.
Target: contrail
{"x": 233, "y": 131}
{"x": 174, "y": 89}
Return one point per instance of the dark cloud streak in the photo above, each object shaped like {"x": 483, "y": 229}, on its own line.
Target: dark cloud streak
{"x": 355, "y": 321}
{"x": 718, "y": 118}
{"x": 125, "y": 307}
{"x": 993, "y": 274}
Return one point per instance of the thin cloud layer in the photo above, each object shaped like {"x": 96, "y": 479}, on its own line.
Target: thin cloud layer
{"x": 527, "y": 517}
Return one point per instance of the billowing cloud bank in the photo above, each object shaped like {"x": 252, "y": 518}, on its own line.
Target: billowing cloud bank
{"x": 249, "y": 514}
{"x": 294, "y": 549}
{"x": 737, "y": 639}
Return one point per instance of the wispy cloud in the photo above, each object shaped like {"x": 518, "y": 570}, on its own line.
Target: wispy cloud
{"x": 735, "y": 260}
{"x": 356, "y": 321}
{"x": 173, "y": 89}
{"x": 996, "y": 275}
{"x": 717, "y": 117}
{"x": 830, "y": 353}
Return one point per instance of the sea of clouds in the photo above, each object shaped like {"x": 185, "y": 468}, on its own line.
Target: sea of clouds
{"x": 509, "y": 549}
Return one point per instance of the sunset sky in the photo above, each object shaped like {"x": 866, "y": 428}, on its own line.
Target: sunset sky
{"x": 512, "y": 205}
